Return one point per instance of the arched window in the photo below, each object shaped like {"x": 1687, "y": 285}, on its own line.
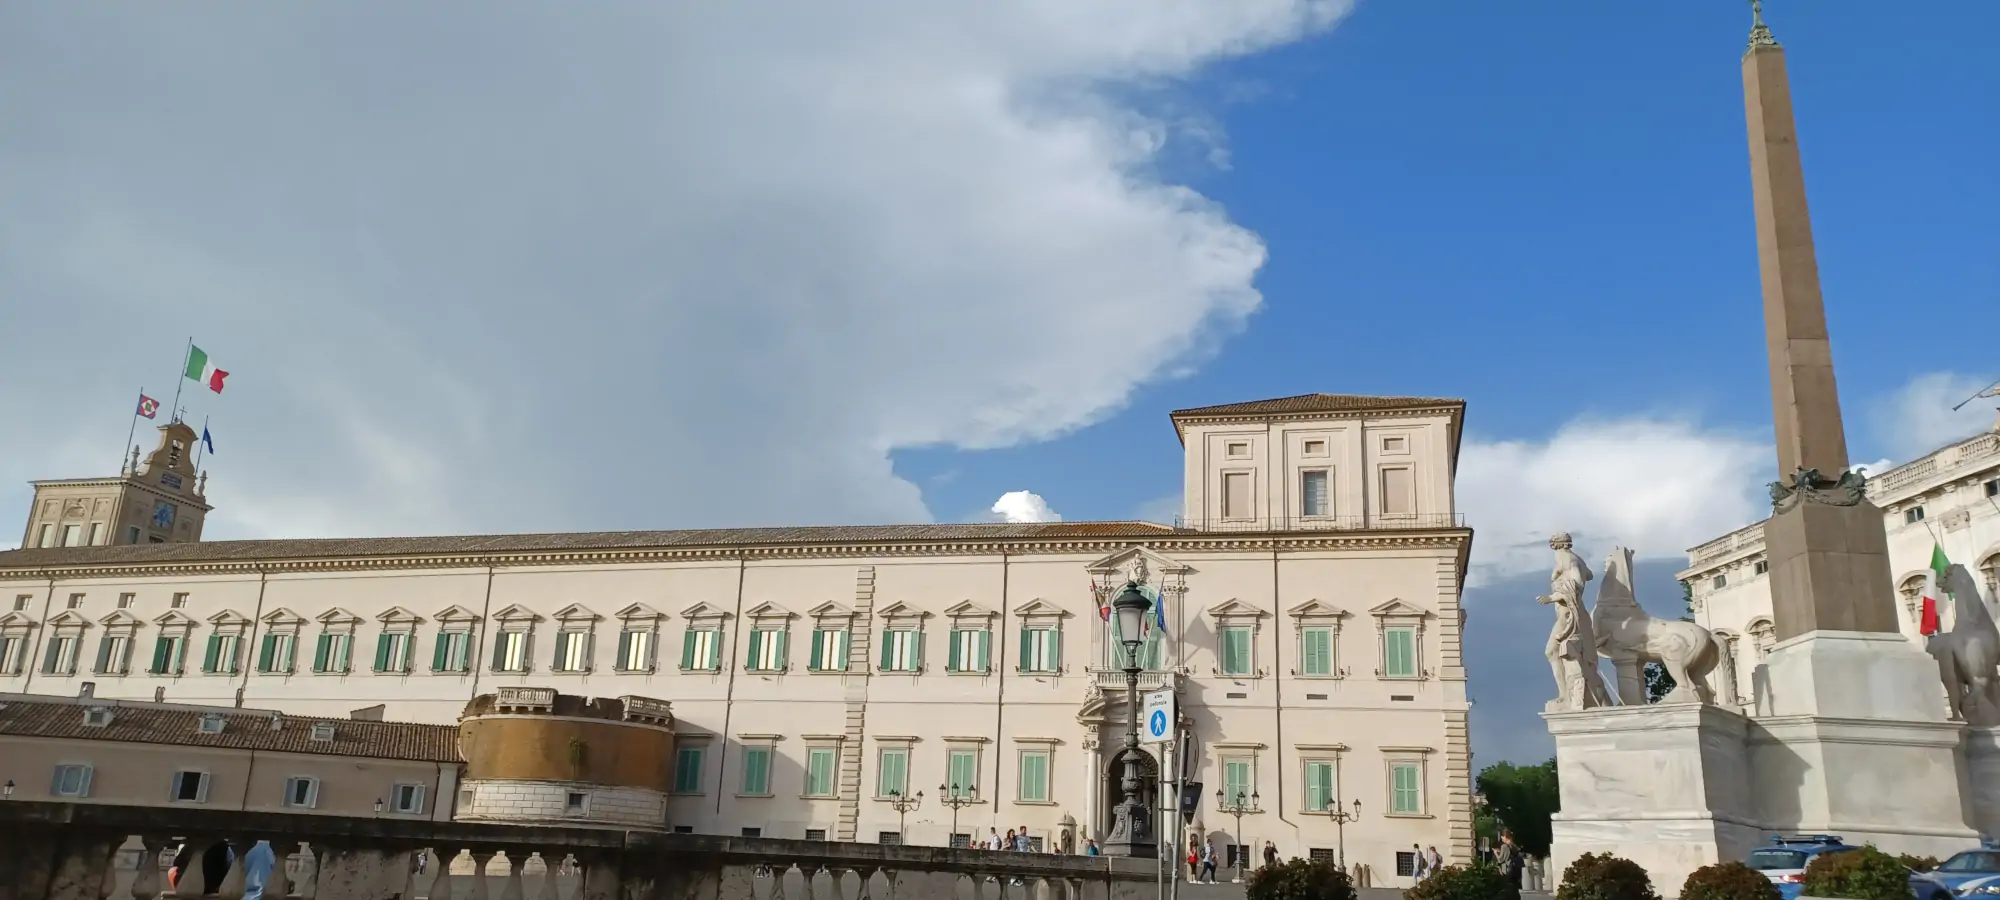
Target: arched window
{"x": 1733, "y": 642}
{"x": 1989, "y": 572}
{"x": 1762, "y": 635}
{"x": 1912, "y": 590}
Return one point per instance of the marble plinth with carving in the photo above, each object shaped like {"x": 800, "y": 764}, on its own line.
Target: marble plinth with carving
{"x": 1666, "y": 786}
{"x": 1853, "y": 740}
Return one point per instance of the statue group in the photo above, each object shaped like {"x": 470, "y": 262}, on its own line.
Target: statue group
{"x": 1618, "y": 629}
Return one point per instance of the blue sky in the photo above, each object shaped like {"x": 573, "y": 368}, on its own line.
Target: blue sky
{"x": 497, "y": 265}
{"x": 1544, "y": 208}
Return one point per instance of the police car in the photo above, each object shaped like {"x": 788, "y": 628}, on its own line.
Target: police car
{"x": 1785, "y": 861}
{"x": 1972, "y": 873}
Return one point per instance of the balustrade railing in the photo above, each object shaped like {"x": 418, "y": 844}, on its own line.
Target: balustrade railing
{"x": 70, "y": 851}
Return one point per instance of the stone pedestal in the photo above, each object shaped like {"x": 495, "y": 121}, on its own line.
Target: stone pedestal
{"x": 1856, "y": 743}
{"x": 1665, "y": 786}
{"x": 1982, "y": 781}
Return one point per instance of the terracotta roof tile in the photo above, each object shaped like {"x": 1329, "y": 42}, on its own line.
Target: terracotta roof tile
{"x": 241, "y": 730}
{"x": 1315, "y": 403}
{"x": 324, "y": 548}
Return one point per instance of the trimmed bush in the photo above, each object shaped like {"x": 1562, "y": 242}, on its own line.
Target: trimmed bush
{"x": 1476, "y": 882}
{"x": 1728, "y": 881}
{"x": 1300, "y": 879}
{"x": 1919, "y": 863}
{"x": 1863, "y": 874}
{"x": 1601, "y": 876}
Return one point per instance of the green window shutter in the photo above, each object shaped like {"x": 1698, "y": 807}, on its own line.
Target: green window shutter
{"x": 986, "y": 650}
{"x": 916, "y": 650}
{"x": 180, "y": 654}
{"x": 715, "y": 650}
{"x": 1035, "y": 777}
{"x": 1053, "y": 658}
{"x": 819, "y": 771}
{"x": 840, "y": 650}
{"x": 267, "y": 651}
{"x": 1402, "y": 651}
{"x": 440, "y": 655}
{"x": 103, "y": 656}
{"x": 954, "y": 656}
{"x": 756, "y": 643}
{"x": 211, "y": 656}
{"x": 783, "y": 657}
{"x": 1028, "y": 639}
{"x": 756, "y": 770}
{"x": 687, "y": 649}
{"x": 1319, "y": 786}
{"x": 1232, "y": 663}
{"x": 322, "y": 648}
{"x": 963, "y": 772}
{"x": 1408, "y": 789}
{"x": 1235, "y": 782}
{"x": 818, "y": 650}
{"x": 625, "y": 651}
{"x": 888, "y": 649}
{"x": 1318, "y": 653}
{"x": 383, "y": 647}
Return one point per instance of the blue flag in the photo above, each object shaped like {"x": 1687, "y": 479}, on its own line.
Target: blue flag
{"x": 207, "y": 441}
{"x": 1160, "y": 612}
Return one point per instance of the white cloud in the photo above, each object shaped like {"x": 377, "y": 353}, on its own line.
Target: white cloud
{"x": 485, "y": 266}
{"x": 1919, "y": 418}
{"x": 1024, "y": 506}
{"x": 1657, "y": 485}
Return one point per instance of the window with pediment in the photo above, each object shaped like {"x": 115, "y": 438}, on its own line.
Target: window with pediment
{"x": 833, "y": 632}
{"x": 228, "y": 631}
{"x": 1399, "y": 640}
{"x": 1238, "y": 628}
{"x": 514, "y": 640}
{"x": 17, "y": 633}
{"x": 1989, "y": 568}
{"x": 1164, "y": 582}
{"x": 114, "y": 647}
{"x": 170, "y": 646}
{"x": 638, "y": 639}
{"x": 769, "y": 644}
{"x": 333, "y": 648}
{"x": 457, "y": 639}
{"x": 64, "y": 644}
{"x": 278, "y": 649}
{"x": 576, "y": 639}
{"x": 702, "y": 638}
{"x": 1763, "y": 635}
{"x": 396, "y": 643}
{"x": 1041, "y": 637}
{"x": 1316, "y": 625}
{"x": 902, "y": 639}
{"x": 971, "y": 649}
{"x": 1911, "y": 589}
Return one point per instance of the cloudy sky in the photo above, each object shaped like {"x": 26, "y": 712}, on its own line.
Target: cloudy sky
{"x": 499, "y": 266}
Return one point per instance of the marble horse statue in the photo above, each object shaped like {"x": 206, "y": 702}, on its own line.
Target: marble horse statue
{"x": 1630, "y": 638}
{"x": 1968, "y": 653}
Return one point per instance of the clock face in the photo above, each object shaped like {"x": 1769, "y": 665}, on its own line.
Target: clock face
{"x": 163, "y": 514}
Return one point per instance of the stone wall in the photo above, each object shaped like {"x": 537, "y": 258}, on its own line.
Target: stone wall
{"x": 548, "y": 801}
{"x": 62, "y": 851}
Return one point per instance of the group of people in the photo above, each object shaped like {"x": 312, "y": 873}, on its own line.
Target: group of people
{"x": 1507, "y": 856}
{"x": 1019, "y": 842}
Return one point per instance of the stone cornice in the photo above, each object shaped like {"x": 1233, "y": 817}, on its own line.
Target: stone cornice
{"x": 200, "y": 503}
{"x": 1456, "y": 539}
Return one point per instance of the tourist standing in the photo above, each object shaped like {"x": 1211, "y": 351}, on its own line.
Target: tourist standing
{"x": 1419, "y": 863}
{"x": 1434, "y": 860}
{"x": 1207, "y": 861}
{"x": 993, "y": 839}
{"x": 1509, "y": 859}
{"x": 1090, "y": 847}
{"x": 1270, "y": 854}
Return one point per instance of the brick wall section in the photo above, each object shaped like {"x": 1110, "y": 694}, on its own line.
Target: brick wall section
{"x": 543, "y": 802}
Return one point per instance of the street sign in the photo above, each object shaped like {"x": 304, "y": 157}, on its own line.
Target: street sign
{"x": 1156, "y": 718}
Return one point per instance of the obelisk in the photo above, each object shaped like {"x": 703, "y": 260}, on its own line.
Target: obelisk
{"x": 1826, "y": 544}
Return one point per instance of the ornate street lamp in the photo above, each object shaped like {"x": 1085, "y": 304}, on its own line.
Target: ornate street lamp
{"x": 903, "y": 806}
{"x": 957, "y": 799}
{"x": 1236, "y": 807}
{"x": 9, "y": 789}
{"x": 1132, "y": 822}
{"x": 1340, "y": 819}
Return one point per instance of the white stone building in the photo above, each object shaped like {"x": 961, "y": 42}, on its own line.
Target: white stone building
{"x": 1312, "y": 630}
{"x": 1950, "y": 498}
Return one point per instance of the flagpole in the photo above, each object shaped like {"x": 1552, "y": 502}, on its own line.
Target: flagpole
{"x": 133, "y": 431}
{"x": 180, "y": 378}
{"x": 198, "y": 444}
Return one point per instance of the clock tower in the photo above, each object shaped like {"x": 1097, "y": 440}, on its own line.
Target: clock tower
{"x": 158, "y": 501}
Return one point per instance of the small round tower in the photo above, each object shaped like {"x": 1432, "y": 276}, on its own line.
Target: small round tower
{"x": 533, "y": 755}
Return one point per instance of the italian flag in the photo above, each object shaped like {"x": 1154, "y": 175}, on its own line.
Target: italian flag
{"x": 1929, "y": 625}
{"x": 202, "y": 369}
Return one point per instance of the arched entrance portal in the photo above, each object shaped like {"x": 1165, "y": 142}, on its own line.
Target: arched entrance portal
{"x": 1111, "y": 786}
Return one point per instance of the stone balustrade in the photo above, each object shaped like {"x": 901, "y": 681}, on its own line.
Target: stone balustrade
{"x": 72, "y": 851}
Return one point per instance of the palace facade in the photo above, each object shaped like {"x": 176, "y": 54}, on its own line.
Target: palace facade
{"x": 1310, "y": 625}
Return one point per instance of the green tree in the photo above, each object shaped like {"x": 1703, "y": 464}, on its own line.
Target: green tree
{"x": 1523, "y": 798}
{"x": 1300, "y": 879}
{"x": 1658, "y": 682}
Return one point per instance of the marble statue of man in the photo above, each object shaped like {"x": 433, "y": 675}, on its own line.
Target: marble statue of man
{"x": 1572, "y": 647}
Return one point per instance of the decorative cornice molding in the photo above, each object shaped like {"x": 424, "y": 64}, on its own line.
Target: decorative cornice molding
{"x": 1184, "y": 542}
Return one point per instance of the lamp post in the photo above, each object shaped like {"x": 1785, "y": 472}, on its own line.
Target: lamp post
{"x": 378, "y": 806}
{"x": 1236, "y": 807}
{"x": 1340, "y": 819}
{"x": 903, "y": 806}
{"x": 9, "y": 789}
{"x": 1132, "y": 823}
{"x": 957, "y": 799}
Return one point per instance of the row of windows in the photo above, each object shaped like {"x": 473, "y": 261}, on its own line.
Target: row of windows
{"x": 191, "y": 786}
{"x": 1397, "y": 493}
{"x": 1040, "y": 650}
{"x": 1033, "y": 769}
